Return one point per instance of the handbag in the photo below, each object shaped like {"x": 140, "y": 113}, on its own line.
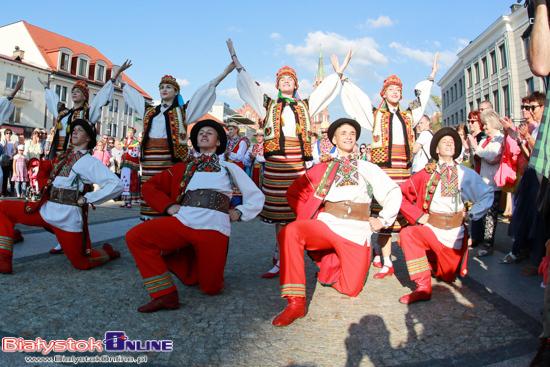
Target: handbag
{"x": 5, "y": 160}
{"x": 543, "y": 201}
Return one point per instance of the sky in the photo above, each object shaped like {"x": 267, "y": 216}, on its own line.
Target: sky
{"x": 186, "y": 39}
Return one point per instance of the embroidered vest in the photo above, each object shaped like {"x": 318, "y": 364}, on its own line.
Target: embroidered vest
{"x": 274, "y": 138}
{"x": 176, "y": 129}
{"x": 60, "y": 144}
{"x": 382, "y": 136}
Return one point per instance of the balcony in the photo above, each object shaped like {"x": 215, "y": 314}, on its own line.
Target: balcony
{"x": 22, "y": 95}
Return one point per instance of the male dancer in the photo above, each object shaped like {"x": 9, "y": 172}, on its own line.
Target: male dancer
{"x": 191, "y": 240}
{"x": 433, "y": 200}
{"x": 332, "y": 205}
{"x": 64, "y": 204}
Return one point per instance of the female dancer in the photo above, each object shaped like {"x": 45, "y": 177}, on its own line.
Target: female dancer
{"x": 80, "y": 95}
{"x": 165, "y": 126}
{"x": 392, "y": 141}
{"x": 287, "y": 127}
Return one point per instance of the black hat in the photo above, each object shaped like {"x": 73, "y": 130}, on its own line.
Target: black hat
{"x": 336, "y": 124}
{"x": 89, "y": 128}
{"x": 219, "y": 129}
{"x": 446, "y": 131}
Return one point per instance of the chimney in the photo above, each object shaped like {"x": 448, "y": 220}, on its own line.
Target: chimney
{"x": 18, "y": 54}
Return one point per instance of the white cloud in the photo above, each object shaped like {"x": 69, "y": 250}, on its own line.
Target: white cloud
{"x": 366, "y": 56}
{"x": 275, "y": 36}
{"x": 446, "y": 58}
{"x": 229, "y": 93}
{"x": 382, "y": 21}
{"x": 183, "y": 82}
{"x": 463, "y": 42}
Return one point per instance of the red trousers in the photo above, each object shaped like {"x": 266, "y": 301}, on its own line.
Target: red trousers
{"x": 424, "y": 252}
{"x": 195, "y": 256}
{"x": 12, "y": 212}
{"x": 343, "y": 264}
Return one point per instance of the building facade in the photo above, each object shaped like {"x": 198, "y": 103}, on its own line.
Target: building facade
{"x": 493, "y": 67}
{"x": 61, "y": 61}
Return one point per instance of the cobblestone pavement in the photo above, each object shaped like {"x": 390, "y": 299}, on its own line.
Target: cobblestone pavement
{"x": 478, "y": 320}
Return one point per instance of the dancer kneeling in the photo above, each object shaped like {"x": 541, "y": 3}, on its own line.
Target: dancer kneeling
{"x": 332, "y": 204}
{"x": 433, "y": 199}
{"x": 192, "y": 240}
{"x": 63, "y": 206}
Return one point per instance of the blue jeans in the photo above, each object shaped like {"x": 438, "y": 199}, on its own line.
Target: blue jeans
{"x": 18, "y": 186}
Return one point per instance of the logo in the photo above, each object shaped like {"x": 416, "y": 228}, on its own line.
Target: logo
{"x": 117, "y": 341}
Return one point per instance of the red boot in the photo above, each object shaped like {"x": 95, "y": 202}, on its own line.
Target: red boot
{"x": 17, "y": 237}
{"x": 169, "y": 301}
{"x": 423, "y": 291}
{"x": 111, "y": 251}
{"x": 5, "y": 263}
{"x": 296, "y": 309}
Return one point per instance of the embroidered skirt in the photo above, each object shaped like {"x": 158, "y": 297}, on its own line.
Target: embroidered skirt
{"x": 156, "y": 158}
{"x": 399, "y": 173}
{"x": 280, "y": 172}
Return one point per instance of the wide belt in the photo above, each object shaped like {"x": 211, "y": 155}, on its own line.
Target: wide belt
{"x": 64, "y": 196}
{"x": 348, "y": 210}
{"x": 446, "y": 220}
{"x": 207, "y": 199}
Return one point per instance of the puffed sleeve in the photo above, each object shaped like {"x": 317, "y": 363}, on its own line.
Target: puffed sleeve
{"x": 251, "y": 93}
{"x": 357, "y": 105}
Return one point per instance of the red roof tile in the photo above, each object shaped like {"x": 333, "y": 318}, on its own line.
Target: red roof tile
{"x": 49, "y": 44}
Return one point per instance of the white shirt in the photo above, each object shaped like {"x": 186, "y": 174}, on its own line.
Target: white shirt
{"x": 422, "y": 157}
{"x": 472, "y": 188}
{"x": 91, "y": 170}
{"x": 237, "y": 156}
{"x": 202, "y": 218}
{"x": 6, "y": 109}
{"x": 386, "y": 192}
{"x": 490, "y": 158}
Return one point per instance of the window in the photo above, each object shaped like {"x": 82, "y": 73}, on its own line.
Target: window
{"x": 15, "y": 117}
{"x": 469, "y": 77}
{"x": 478, "y": 101}
{"x": 530, "y": 85}
{"x": 100, "y": 72}
{"x": 486, "y": 97}
{"x": 506, "y": 96}
{"x": 61, "y": 92}
{"x": 493, "y": 62}
{"x": 111, "y": 130}
{"x": 65, "y": 59}
{"x": 461, "y": 115}
{"x": 116, "y": 105}
{"x": 476, "y": 67}
{"x": 111, "y": 106}
{"x": 460, "y": 87}
{"x": 526, "y": 42}
{"x": 11, "y": 81}
{"x": 125, "y": 108}
{"x": 485, "y": 69}
{"x": 496, "y": 103}
{"x": 82, "y": 67}
{"x": 471, "y": 106}
{"x": 503, "y": 62}
{"x": 452, "y": 95}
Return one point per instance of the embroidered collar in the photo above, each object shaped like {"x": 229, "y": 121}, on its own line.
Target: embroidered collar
{"x": 347, "y": 174}
{"x": 207, "y": 163}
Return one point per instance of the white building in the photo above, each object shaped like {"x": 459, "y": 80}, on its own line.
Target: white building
{"x": 492, "y": 67}
{"x": 62, "y": 61}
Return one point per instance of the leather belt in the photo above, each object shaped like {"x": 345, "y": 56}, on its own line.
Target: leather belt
{"x": 348, "y": 210}
{"x": 446, "y": 220}
{"x": 63, "y": 196}
{"x": 207, "y": 199}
